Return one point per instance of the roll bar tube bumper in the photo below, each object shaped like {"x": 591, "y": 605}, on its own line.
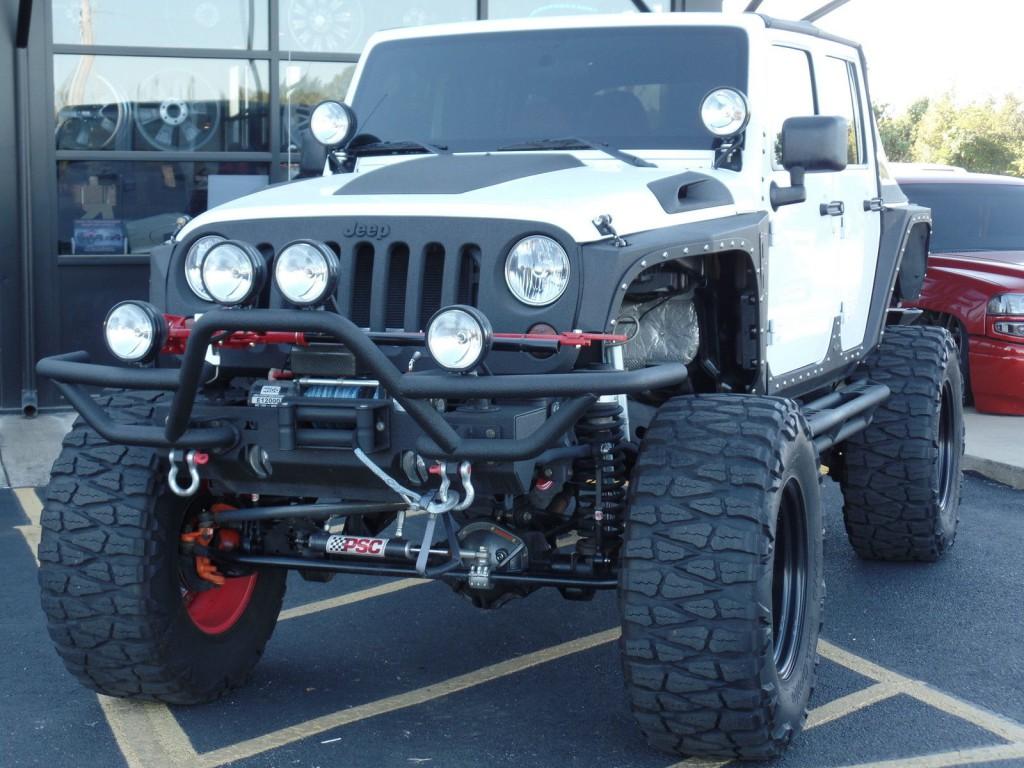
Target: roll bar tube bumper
{"x": 412, "y": 391}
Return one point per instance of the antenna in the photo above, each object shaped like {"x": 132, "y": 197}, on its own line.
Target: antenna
{"x": 753, "y": 6}
{"x": 825, "y": 10}
{"x": 642, "y": 6}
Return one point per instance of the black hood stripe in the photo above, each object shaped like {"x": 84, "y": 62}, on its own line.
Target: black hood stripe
{"x": 455, "y": 174}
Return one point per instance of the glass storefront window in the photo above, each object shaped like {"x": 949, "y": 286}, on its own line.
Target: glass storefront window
{"x": 243, "y": 24}
{"x": 342, "y": 26}
{"x": 162, "y": 104}
{"x": 304, "y": 84}
{"x": 509, "y": 9}
{"x": 108, "y": 207}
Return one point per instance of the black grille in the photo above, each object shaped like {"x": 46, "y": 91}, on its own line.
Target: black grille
{"x": 362, "y": 285}
{"x": 395, "y": 286}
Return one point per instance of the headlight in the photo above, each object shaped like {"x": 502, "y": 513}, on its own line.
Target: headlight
{"x": 233, "y": 272}
{"x": 306, "y": 272}
{"x": 194, "y": 263}
{"x": 724, "y": 112}
{"x": 1007, "y": 304}
{"x": 537, "y": 270}
{"x": 134, "y": 331}
{"x": 458, "y": 337}
{"x": 332, "y": 123}
{"x": 1009, "y": 328}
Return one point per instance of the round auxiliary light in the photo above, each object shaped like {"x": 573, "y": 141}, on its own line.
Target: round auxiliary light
{"x": 194, "y": 263}
{"x": 306, "y": 272}
{"x": 724, "y": 112}
{"x": 134, "y": 331}
{"x": 458, "y": 337}
{"x": 233, "y": 272}
{"x": 332, "y": 123}
{"x": 537, "y": 270}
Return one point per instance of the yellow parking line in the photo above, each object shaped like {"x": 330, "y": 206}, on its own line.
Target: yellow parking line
{"x": 859, "y": 665}
{"x": 956, "y": 757}
{"x": 847, "y": 705}
{"x": 33, "y": 509}
{"x": 487, "y": 674}
{"x": 990, "y": 721}
{"x": 147, "y": 734}
{"x": 826, "y": 713}
{"x": 351, "y": 597}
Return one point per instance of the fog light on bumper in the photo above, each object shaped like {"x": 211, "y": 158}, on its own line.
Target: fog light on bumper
{"x": 459, "y": 337}
{"x": 134, "y": 331}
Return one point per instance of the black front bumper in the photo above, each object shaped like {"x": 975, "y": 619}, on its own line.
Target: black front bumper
{"x": 412, "y": 392}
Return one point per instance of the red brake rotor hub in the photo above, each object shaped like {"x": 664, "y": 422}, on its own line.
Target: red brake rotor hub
{"x": 216, "y": 610}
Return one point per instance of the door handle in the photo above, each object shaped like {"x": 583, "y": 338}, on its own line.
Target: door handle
{"x": 835, "y": 208}
{"x": 874, "y": 204}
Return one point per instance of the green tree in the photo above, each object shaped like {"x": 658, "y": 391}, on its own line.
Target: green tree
{"x": 985, "y": 137}
{"x": 898, "y": 132}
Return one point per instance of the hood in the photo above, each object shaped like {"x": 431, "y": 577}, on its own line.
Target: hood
{"x": 556, "y": 188}
{"x": 1002, "y": 269}
{"x": 981, "y": 258}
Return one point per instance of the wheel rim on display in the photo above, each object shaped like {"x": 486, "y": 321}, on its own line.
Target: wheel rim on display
{"x": 94, "y": 125}
{"x": 789, "y": 579}
{"x": 179, "y": 120}
{"x": 325, "y": 25}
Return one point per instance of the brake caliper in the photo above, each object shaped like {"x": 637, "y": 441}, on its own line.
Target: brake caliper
{"x": 207, "y": 535}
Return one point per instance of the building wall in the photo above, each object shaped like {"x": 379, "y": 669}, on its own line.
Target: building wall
{"x": 143, "y": 111}
{"x": 10, "y": 304}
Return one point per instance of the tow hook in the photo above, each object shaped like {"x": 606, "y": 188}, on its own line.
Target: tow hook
{"x": 465, "y": 474}
{"x": 191, "y": 460}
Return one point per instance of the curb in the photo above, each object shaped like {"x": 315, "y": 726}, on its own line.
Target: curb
{"x": 1007, "y": 474}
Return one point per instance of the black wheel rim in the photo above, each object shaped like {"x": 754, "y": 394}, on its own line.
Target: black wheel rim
{"x": 947, "y": 445}
{"x": 789, "y": 579}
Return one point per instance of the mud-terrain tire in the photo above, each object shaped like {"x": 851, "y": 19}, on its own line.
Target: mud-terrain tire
{"x": 110, "y": 575}
{"x": 901, "y": 476}
{"x": 722, "y": 555}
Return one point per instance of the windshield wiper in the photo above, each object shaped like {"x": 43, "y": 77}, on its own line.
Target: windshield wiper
{"x": 574, "y": 142}
{"x": 377, "y": 146}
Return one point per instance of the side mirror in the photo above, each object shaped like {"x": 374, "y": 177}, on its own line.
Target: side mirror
{"x": 809, "y": 145}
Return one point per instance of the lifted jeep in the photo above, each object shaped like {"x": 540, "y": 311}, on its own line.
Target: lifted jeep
{"x": 603, "y": 297}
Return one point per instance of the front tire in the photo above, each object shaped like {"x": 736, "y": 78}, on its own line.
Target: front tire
{"x": 122, "y": 618}
{"x": 901, "y": 476}
{"x": 721, "y": 590}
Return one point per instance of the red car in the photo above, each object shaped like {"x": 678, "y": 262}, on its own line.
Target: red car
{"x": 974, "y": 285}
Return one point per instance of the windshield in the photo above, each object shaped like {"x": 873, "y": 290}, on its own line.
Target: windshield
{"x": 972, "y": 217}
{"x": 633, "y": 88}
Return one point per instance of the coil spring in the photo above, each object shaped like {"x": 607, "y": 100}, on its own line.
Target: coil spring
{"x": 600, "y": 480}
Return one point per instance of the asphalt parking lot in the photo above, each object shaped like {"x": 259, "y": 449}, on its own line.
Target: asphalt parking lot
{"x": 923, "y": 667}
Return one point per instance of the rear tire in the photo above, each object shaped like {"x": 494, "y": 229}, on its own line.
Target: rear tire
{"x": 110, "y": 574}
{"x": 721, "y": 590}
{"x": 901, "y": 476}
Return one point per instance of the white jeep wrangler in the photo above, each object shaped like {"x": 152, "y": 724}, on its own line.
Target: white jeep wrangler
{"x": 604, "y": 297}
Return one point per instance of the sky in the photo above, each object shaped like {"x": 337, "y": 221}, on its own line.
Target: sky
{"x": 920, "y": 48}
